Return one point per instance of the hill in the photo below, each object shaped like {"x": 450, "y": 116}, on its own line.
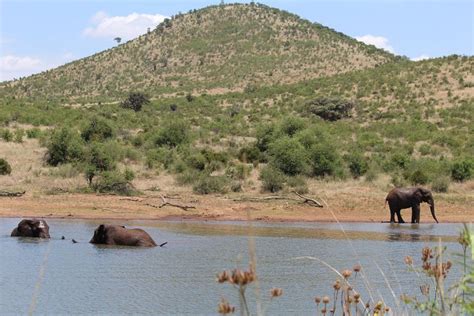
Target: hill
{"x": 213, "y": 50}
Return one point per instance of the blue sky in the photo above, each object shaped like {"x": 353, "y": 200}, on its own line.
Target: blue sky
{"x": 41, "y": 34}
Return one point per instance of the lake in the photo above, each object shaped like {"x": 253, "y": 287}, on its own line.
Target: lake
{"x": 58, "y": 277}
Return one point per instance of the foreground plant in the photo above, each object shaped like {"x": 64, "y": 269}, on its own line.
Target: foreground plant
{"x": 240, "y": 279}
{"x": 436, "y": 300}
{"x": 345, "y": 295}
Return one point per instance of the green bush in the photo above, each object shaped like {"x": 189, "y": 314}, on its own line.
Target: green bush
{"x": 101, "y": 158}
{"x": 357, "y": 164}
{"x": 172, "y": 134}
{"x": 5, "y": 167}
{"x": 33, "y": 133}
{"x": 64, "y": 146}
{"x": 97, "y": 130}
{"x": 238, "y": 172}
{"x": 418, "y": 177}
{"x": 330, "y": 109}
{"x": 135, "y": 101}
{"x": 324, "y": 160}
{"x": 251, "y": 153}
{"x": 115, "y": 182}
{"x": 6, "y": 135}
{"x": 462, "y": 170}
{"x": 288, "y": 155}
{"x": 291, "y": 125}
{"x": 273, "y": 180}
{"x": 207, "y": 184}
{"x": 197, "y": 161}
{"x": 440, "y": 184}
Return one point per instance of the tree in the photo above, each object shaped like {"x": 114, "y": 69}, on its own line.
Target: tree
{"x": 97, "y": 130}
{"x": 135, "y": 101}
{"x": 118, "y": 40}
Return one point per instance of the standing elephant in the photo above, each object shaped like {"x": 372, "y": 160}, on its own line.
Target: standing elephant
{"x": 400, "y": 198}
{"x": 31, "y": 228}
{"x": 119, "y": 235}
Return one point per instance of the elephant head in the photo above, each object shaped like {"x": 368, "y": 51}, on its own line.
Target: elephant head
{"x": 31, "y": 228}
{"x": 99, "y": 235}
{"x": 424, "y": 195}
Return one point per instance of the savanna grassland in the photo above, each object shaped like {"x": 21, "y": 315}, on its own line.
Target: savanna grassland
{"x": 225, "y": 106}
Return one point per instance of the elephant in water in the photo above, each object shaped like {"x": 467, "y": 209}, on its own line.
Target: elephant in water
{"x": 400, "y": 198}
{"x": 31, "y": 228}
{"x": 119, "y": 235}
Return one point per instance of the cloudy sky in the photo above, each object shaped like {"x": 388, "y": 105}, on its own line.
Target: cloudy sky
{"x": 40, "y": 34}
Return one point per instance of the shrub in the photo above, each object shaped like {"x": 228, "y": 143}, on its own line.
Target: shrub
{"x": 7, "y": 135}
{"x": 172, "y": 134}
{"x": 33, "y": 133}
{"x": 97, "y": 130}
{"x": 292, "y": 125}
{"x": 298, "y": 184}
{"x": 418, "y": 177}
{"x": 211, "y": 184}
{"x": 265, "y": 135}
{"x": 251, "y": 153}
{"x": 440, "y": 184}
{"x": 197, "y": 161}
{"x": 272, "y": 179}
{"x": 462, "y": 170}
{"x": 329, "y": 109}
{"x": 100, "y": 158}
{"x": 238, "y": 172}
{"x": 115, "y": 182}
{"x": 19, "y": 133}
{"x": 357, "y": 164}
{"x": 64, "y": 146}
{"x": 289, "y": 156}
{"x": 5, "y": 167}
{"x": 324, "y": 160}
{"x": 135, "y": 101}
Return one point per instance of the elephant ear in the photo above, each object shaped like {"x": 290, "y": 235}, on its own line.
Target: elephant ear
{"x": 418, "y": 195}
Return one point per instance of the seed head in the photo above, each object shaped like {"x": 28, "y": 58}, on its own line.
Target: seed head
{"x": 276, "y": 292}
{"x": 223, "y": 277}
{"x": 225, "y": 308}
{"x": 357, "y": 268}
{"x": 317, "y": 300}
{"x": 408, "y": 260}
{"x": 346, "y": 273}
{"x": 326, "y": 299}
{"x": 337, "y": 285}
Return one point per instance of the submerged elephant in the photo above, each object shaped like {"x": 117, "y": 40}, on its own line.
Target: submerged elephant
{"x": 119, "y": 235}
{"x": 400, "y": 198}
{"x": 31, "y": 228}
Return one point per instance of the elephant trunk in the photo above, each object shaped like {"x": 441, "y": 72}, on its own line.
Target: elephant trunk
{"x": 432, "y": 209}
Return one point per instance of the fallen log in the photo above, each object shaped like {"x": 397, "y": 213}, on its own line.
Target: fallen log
{"x": 183, "y": 207}
{"x": 308, "y": 200}
{"x": 11, "y": 194}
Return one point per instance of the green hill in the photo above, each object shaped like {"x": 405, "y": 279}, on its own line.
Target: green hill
{"x": 213, "y": 50}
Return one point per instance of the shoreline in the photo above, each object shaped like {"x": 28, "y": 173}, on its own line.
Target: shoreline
{"x": 219, "y": 208}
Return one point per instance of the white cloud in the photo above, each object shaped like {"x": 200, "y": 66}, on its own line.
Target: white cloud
{"x": 421, "y": 57}
{"x": 126, "y": 27}
{"x": 12, "y": 66}
{"x": 14, "y": 63}
{"x": 377, "y": 41}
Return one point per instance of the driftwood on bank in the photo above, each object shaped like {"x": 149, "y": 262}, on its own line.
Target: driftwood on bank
{"x": 164, "y": 200}
{"x": 11, "y": 194}
{"x": 306, "y": 200}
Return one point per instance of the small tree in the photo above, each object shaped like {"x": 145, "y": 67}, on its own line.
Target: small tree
{"x": 288, "y": 155}
{"x": 64, "y": 146}
{"x": 135, "y": 101}
{"x": 97, "y": 130}
{"x": 5, "y": 167}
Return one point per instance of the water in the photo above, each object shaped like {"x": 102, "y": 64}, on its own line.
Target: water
{"x": 58, "y": 277}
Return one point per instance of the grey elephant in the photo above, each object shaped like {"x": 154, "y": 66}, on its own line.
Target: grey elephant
{"x": 119, "y": 235}
{"x": 401, "y": 198}
{"x": 37, "y": 228}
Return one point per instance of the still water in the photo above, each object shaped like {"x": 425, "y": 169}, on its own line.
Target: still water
{"x": 58, "y": 277}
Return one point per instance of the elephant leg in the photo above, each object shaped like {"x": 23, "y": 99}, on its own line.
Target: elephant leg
{"x": 399, "y": 215}
{"x": 392, "y": 214}
{"x": 415, "y": 213}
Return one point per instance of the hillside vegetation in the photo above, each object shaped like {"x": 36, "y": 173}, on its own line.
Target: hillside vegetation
{"x": 386, "y": 120}
{"x": 216, "y": 49}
